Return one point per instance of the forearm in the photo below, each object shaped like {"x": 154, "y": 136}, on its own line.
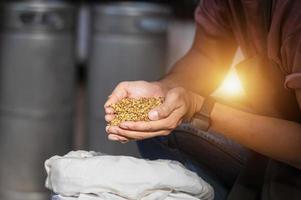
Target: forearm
{"x": 276, "y": 138}
{"x": 195, "y": 73}
{"x": 203, "y": 68}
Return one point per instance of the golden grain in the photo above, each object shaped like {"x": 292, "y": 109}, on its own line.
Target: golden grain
{"x": 130, "y": 109}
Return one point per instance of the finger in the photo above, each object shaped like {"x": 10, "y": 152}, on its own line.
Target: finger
{"x": 109, "y": 117}
{"x": 119, "y": 138}
{"x": 124, "y": 142}
{"x": 136, "y": 134}
{"x": 169, "y": 123}
{"x": 109, "y": 110}
{"x": 109, "y": 131}
{"x": 118, "y": 93}
{"x": 115, "y": 98}
{"x": 164, "y": 110}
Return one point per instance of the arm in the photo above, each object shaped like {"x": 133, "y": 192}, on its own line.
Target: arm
{"x": 206, "y": 63}
{"x": 276, "y": 138}
{"x": 195, "y": 76}
{"x": 204, "y": 66}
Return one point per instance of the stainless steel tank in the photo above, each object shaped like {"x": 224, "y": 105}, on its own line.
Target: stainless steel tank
{"x": 128, "y": 43}
{"x": 37, "y": 74}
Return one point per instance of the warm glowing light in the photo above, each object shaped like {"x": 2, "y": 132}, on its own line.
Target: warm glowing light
{"x": 231, "y": 86}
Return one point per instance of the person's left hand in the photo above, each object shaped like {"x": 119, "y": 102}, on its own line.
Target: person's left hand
{"x": 179, "y": 105}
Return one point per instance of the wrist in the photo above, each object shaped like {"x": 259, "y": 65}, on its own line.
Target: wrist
{"x": 202, "y": 119}
{"x": 195, "y": 105}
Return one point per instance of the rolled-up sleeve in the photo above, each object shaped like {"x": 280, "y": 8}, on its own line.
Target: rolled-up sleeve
{"x": 215, "y": 32}
{"x": 212, "y": 51}
{"x": 214, "y": 18}
{"x": 292, "y": 57}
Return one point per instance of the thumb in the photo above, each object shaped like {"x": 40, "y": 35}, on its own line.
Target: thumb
{"x": 164, "y": 110}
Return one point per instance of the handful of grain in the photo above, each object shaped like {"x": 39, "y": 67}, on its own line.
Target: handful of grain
{"x": 129, "y": 109}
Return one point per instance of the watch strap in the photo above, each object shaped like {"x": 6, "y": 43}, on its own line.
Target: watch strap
{"x": 201, "y": 119}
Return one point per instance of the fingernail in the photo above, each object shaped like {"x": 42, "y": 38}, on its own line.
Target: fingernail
{"x": 153, "y": 115}
{"x": 112, "y": 137}
{"x": 107, "y": 104}
{"x": 110, "y": 110}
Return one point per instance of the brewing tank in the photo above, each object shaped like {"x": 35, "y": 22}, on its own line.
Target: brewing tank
{"x": 128, "y": 43}
{"x": 37, "y": 73}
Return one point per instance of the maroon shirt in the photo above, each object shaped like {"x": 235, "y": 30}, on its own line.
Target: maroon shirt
{"x": 219, "y": 23}
{"x": 219, "y": 20}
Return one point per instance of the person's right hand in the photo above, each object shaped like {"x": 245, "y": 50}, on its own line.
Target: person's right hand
{"x": 133, "y": 89}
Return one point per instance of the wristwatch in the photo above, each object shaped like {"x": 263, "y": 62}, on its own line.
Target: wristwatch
{"x": 201, "y": 119}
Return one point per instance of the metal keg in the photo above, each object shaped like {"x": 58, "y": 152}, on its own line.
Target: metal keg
{"x": 128, "y": 43}
{"x": 37, "y": 86}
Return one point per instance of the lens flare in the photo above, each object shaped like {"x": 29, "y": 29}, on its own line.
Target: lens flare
{"x": 231, "y": 86}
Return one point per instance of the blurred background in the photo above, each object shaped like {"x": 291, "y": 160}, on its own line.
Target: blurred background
{"x": 59, "y": 60}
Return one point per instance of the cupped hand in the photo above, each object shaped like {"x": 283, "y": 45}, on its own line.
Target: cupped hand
{"x": 134, "y": 89}
{"x": 179, "y": 105}
{"x": 130, "y": 89}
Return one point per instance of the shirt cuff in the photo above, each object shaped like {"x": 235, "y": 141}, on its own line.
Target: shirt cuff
{"x": 293, "y": 81}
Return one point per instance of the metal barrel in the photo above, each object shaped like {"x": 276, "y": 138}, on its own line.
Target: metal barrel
{"x": 37, "y": 86}
{"x": 128, "y": 43}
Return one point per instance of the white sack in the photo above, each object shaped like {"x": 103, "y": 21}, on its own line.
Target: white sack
{"x": 85, "y": 175}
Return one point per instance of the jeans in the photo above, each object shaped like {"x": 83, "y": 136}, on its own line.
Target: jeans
{"x": 219, "y": 165}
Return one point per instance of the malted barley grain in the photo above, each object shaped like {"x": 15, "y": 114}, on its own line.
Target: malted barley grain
{"x": 130, "y": 109}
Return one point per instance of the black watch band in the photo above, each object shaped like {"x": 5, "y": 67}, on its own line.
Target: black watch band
{"x": 202, "y": 120}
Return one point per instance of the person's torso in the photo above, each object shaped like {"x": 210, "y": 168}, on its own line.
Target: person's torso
{"x": 255, "y": 37}
{"x": 248, "y": 21}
